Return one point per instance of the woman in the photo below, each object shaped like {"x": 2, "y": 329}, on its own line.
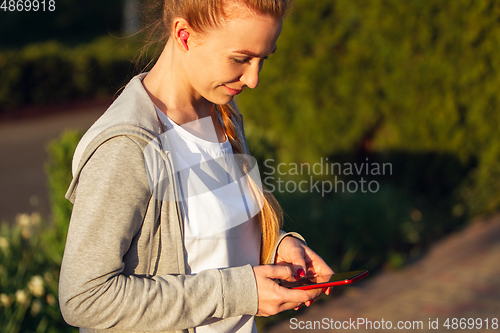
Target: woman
{"x": 148, "y": 249}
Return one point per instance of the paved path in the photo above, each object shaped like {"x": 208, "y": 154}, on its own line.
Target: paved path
{"x": 458, "y": 278}
{"x": 22, "y": 150}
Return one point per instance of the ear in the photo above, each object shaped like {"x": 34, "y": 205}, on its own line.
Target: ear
{"x": 182, "y": 33}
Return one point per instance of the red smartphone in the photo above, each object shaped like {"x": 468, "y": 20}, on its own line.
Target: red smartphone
{"x": 315, "y": 282}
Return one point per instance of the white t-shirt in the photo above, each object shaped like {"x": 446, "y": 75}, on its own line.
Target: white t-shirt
{"x": 220, "y": 228}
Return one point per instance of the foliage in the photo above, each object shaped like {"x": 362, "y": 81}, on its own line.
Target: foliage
{"x": 58, "y": 170}
{"x": 357, "y": 77}
{"x": 29, "y": 277}
{"x": 409, "y": 83}
{"x": 49, "y": 72}
{"x": 31, "y": 253}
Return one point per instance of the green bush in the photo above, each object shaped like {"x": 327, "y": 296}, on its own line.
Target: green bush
{"x": 50, "y": 72}
{"x": 58, "y": 170}
{"x": 356, "y": 230}
{"x": 31, "y": 253}
{"x": 29, "y": 274}
{"x": 367, "y": 78}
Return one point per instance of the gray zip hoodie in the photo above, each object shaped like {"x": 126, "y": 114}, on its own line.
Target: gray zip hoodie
{"x": 123, "y": 268}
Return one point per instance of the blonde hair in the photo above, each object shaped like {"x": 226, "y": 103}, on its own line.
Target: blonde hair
{"x": 203, "y": 14}
{"x": 271, "y": 215}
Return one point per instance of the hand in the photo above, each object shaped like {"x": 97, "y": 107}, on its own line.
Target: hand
{"x": 303, "y": 260}
{"x": 274, "y": 298}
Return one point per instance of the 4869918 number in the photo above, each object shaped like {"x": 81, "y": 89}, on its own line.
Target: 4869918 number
{"x": 28, "y": 5}
{"x": 471, "y": 323}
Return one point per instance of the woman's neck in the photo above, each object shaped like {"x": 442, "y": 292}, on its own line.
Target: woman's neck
{"x": 171, "y": 92}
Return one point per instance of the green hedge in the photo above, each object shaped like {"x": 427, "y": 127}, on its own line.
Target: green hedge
{"x": 412, "y": 82}
{"x": 50, "y": 72}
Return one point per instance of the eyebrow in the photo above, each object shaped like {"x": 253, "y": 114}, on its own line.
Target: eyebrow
{"x": 252, "y": 54}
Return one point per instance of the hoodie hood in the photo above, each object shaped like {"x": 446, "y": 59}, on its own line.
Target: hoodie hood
{"x": 136, "y": 109}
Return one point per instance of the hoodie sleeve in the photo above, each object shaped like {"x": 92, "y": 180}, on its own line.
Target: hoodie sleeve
{"x": 282, "y": 235}
{"x": 111, "y": 201}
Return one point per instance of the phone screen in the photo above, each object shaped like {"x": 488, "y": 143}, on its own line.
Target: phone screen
{"x": 322, "y": 281}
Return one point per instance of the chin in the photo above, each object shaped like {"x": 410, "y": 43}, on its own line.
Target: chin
{"x": 222, "y": 99}
{"x": 218, "y": 96}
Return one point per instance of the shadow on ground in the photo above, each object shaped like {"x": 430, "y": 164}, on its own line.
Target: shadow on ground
{"x": 458, "y": 278}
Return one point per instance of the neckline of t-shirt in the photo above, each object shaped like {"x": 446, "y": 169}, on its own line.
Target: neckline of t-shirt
{"x": 190, "y": 136}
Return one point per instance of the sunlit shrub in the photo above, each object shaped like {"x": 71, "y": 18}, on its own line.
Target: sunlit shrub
{"x": 31, "y": 252}
{"x": 28, "y": 277}
{"x": 50, "y": 72}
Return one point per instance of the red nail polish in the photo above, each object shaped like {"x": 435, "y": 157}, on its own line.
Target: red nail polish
{"x": 301, "y": 272}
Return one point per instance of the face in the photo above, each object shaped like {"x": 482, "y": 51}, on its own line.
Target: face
{"x": 223, "y": 61}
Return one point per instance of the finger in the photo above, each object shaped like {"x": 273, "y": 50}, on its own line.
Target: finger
{"x": 278, "y": 272}
{"x": 314, "y": 294}
{"x": 297, "y": 259}
{"x": 292, "y": 277}
{"x": 289, "y": 306}
{"x": 294, "y": 297}
{"x": 318, "y": 264}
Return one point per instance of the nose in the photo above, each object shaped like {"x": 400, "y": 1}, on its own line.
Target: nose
{"x": 251, "y": 75}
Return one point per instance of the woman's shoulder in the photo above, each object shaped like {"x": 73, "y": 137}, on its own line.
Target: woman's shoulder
{"x": 132, "y": 113}
{"x": 120, "y": 154}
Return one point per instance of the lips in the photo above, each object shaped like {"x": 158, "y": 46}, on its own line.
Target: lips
{"x": 233, "y": 91}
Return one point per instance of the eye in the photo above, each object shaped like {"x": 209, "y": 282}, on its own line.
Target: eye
{"x": 241, "y": 61}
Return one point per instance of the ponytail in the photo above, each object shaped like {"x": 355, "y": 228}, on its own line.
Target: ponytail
{"x": 271, "y": 215}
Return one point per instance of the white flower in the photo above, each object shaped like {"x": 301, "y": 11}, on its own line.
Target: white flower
{"x": 21, "y": 296}
{"x": 23, "y": 220}
{"x": 5, "y": 300}
{"x": 36, "y": 286}
{"x": 36, "y": 219}
{"x": 4, "y": 243}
